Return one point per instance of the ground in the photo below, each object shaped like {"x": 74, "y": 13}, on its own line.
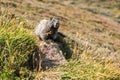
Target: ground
{"x": 92, "y": 29}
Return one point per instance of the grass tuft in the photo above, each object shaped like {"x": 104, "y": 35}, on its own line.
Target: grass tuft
{"x": 16, "y": 44}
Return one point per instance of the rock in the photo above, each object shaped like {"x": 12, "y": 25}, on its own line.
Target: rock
{"x": 51, "y": 54}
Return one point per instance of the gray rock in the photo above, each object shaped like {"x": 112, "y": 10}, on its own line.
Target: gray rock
{"x": 51, "y": 55}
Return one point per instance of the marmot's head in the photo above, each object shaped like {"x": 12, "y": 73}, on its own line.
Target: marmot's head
{"x": 54, "y": 22}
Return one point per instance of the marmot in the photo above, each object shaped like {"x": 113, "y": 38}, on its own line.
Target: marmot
{"x": 47, "y": 29}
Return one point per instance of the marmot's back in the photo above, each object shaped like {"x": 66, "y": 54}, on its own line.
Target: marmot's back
{"x": 41, "y": 26}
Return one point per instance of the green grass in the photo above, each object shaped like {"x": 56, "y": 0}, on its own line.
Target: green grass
{"x": 16, "y": 44}
{"x": 87, "y": 69}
